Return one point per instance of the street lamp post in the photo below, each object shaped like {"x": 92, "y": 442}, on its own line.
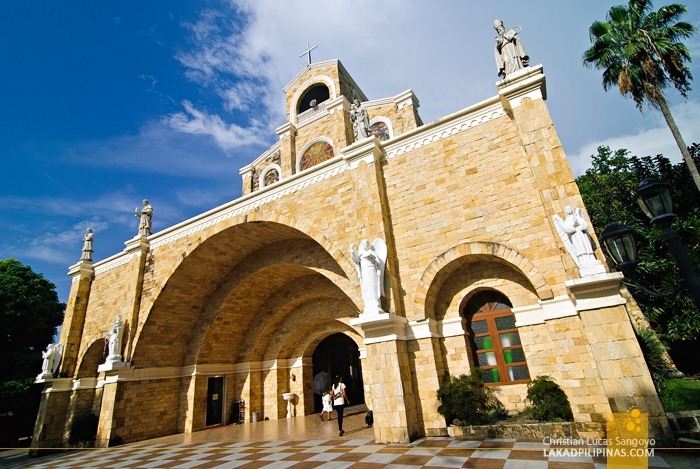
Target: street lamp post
{"x": 654, "y": 199}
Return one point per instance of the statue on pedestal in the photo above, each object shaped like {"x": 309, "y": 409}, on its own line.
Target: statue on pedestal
{"x": 146, "y": 215}
{"x": 51, "y": 359}
{"x": 509, "y": 51}
{"x": 360, "y": 121}
{"x": 87, "y": 245}
{"x": 573, "y": 231}
{"x": 370, "y": 261}
{"x": 114, "y": 340}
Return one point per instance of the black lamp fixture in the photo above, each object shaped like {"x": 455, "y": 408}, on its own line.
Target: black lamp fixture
{"x": 654, "y": 198}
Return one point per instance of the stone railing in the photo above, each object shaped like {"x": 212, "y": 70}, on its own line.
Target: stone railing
{"x": 309, "y": 113}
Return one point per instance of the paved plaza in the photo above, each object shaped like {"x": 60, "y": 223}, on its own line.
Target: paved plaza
{"x": 307, "y": 442}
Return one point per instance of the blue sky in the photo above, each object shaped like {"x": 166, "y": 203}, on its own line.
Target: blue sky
{"x": 107, "y": 103}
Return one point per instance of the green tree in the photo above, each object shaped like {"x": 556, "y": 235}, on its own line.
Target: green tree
{"x": 608, "y": 190}
{"x": 640, "y": 52}
{"x": 29, "y": 314}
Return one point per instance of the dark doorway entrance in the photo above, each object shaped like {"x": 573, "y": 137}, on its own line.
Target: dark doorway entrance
{"x": 337, "y": 355}
{"x": 215, "y": 400}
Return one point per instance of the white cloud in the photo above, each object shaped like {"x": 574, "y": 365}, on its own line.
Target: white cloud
{"x": 51, "y": 246}
{"x": 227, "y": 136}
{"x": 651, "y": 141}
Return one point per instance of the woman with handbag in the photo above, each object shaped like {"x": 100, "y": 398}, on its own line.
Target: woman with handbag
{"x": 340, "y": 400}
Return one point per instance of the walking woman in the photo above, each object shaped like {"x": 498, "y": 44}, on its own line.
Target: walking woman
{"x": 340, "y": 400}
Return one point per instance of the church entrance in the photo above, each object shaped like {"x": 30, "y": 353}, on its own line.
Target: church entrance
{"x": 338, "y": 355}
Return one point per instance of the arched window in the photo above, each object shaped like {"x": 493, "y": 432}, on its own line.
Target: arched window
{"x": 317, "y": 94}
{"x": 316, "y": 153}
{"x": 271, "y": 177}
{"x": 380, "y": 130}
{"x": 494, "y": 339}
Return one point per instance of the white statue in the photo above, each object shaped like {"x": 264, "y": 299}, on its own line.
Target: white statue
{"x": 52, "y": 358}
{"x": 87, "y": 245}
{"x": 574, "y": 233}
{"x": 510, "y": 53}
{"x": 370, "y": 261}
{"x": 360, "y": 121}
{"x": 114, "y": 340}
{"x": 146, "y": 215}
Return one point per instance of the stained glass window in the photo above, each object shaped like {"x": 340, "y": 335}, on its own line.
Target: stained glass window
{"x": 271, "y": 177}
{"x": 315, "y": 154}
{"x": 495, "y": 340}
{"x": 380, "y": 130}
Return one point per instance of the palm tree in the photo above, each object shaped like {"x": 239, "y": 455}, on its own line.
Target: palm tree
{"x": 640, "y": 52}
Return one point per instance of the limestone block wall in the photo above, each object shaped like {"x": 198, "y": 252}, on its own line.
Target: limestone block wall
{"x": 148, "y": 409}
{"x": 49, "y": 430}
{"x": 622, "y": 367}
{"x": 507, "y": 209}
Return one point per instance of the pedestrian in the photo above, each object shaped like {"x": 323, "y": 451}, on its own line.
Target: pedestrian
{"x": 327, "y": 403}
{"x": 340, "y": 400}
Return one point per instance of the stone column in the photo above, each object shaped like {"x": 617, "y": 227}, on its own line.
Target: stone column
{"x": 621, "y": 365}
{"x": 387, "y": 367}
{"x": 288, "y": 140}
{"x": 138, "y": 247}
{"x": 50, "y": 428}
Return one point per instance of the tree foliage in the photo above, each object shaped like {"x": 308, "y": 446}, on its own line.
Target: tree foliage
{"x": 642, "y": 54}
{"x": 608, "y": 189}
{"x": 29, "y": 314}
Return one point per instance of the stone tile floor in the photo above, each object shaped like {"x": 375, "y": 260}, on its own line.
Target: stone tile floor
{"x": 307, "y": 442}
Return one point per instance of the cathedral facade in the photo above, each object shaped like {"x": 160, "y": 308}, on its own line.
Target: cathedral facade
{"x": 230, "y": 315}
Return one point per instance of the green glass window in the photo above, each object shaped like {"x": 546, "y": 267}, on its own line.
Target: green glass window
{"x": 495, "y": 339}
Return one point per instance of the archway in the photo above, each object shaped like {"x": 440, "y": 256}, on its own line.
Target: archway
{"x": 338, "y": 355}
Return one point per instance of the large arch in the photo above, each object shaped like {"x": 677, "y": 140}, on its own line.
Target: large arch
{"x": 231, "y": 267}
{"x": 447, "y": 263}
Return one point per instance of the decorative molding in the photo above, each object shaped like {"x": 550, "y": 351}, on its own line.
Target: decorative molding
{"x": 405, "y": 99}
{"x": 82, "y": 268}
{"x": 452, "y": 327}
{"x": 382, "y": 327}
{"x": 529, "y": 82}
{"x": 368, "y": 150}
{"x": 557, "y": 307}
{"x": 113, "y": 262}
{"x": 314, "y": 66}
{"x": 459, "y": 122}
{"x": 269, "y": 152}
{"x": 416, "y": 330}
{"x": 290, "y": 185}
{"x": 596, "y": 291}
{"x": 286, "y": 129}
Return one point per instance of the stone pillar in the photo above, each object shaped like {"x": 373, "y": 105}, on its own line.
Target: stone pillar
{"x": 50, "y": 427}
{"x": 523, "y": 96}
{"x": 288, "y": 151}
{"x": 387, "y": 366}
{"x": 111, "y": 415}
{"x": 138, "y": 247}
{"x": 74, "y": 319}
{"x": 387, "y": 369}
{"x": 621, "y": 365}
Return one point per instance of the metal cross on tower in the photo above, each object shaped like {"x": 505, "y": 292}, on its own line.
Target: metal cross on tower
{"x": 308, "y": 51}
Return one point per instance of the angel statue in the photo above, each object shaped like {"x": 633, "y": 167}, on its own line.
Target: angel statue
{"x": 574, "y": 233}
{"x": 51, "y": 359}
{"x": 370, "y": 261}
